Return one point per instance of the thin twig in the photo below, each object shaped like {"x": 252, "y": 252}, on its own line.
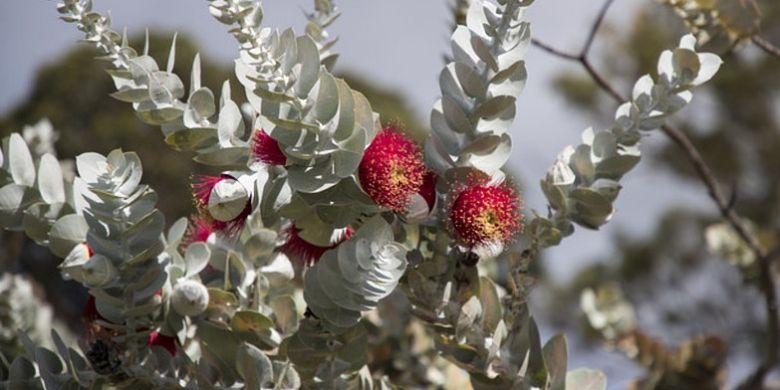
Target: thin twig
{"x": 554, "y": 51}
{"x": 595, "y": 28}
{"x": 601, "y": 81}
{"x": 766, "y": 45}
{"x": 734, "y": 194}
{"x": 713, "y": 188}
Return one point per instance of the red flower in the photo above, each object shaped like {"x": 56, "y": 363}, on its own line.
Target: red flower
{"x": 298, "y": 249}
{"x": 266, "y": 149}
{"x": 482, "y": 213}
{"x": 233, "y": 227}
{"x": 199, "y": 229}
{"x": 161, "y": 340}
{"x": 201, "y": 188}
{"x": 392, "y": 170}
{"x": 90, "y": 313}
{"x": 428, "y": 189}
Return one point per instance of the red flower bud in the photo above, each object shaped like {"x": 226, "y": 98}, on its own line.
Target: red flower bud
{"x": 90, "y": 313}
{"x": 90, "y": 252}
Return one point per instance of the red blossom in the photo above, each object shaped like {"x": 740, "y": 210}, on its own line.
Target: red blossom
{"x": 203, "y": 226}
{"x": 266, "y": 149}
{"x": 392, "y": 169}
{"x": 199, "y": 229}
{"x": 90, "y": 313}
{"x": 161, "y": 340}
{"x": 482, "y": 213}
{"x": 201, "y": 188}
{"x": 300, "y": 250}
{"x": 428, "y": 189}
{"x": 233, "y": 227}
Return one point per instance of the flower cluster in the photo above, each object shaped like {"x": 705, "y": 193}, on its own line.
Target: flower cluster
{"x": 479, "y": 212}
{"x": 310, "y": 176}
{"x": 392, "y": 173}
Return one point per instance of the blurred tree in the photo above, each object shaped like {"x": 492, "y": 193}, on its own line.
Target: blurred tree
{"x": 73, "y": 95}
{"x": 679, "y": 288}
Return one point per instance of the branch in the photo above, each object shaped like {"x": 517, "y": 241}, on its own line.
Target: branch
{"x": 708, "y": 179}
{"x": 595, "y": 28}
{"x": 554, "y": 51}
{"x": 766, "y": 46}
{"x": 601, "y": 81}
{"x": 766, "y": 281}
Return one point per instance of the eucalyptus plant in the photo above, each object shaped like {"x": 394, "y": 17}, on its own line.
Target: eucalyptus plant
{"x": 321, "y": 214}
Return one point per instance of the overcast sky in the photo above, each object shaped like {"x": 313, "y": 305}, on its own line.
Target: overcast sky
{"x": 399, "y": 44}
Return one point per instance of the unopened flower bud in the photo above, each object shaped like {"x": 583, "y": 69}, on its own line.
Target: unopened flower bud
{"x": 190, "y": 298}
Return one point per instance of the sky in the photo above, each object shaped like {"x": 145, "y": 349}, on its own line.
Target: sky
{"x": 398, "y": 44}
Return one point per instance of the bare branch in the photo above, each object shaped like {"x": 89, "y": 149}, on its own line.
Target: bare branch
{"x": 554, "y": 51}
{"x": 766, "y": 46}
{"x": 595, "y": 28}
{"x": 601, "y": 81}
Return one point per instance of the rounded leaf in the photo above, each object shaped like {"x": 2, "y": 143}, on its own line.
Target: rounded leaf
{"x": 66, "y": 233}
{"x": 20, "y": 161}
{"x": 190, "y": 298}
{"x": 255, "y": 367}
{"x": 196, "y": 258}
{"x": 50, "y": 181}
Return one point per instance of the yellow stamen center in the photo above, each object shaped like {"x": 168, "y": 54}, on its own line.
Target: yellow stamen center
{"x": 398, "y": 176}
{"x": 490, "y": 223}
